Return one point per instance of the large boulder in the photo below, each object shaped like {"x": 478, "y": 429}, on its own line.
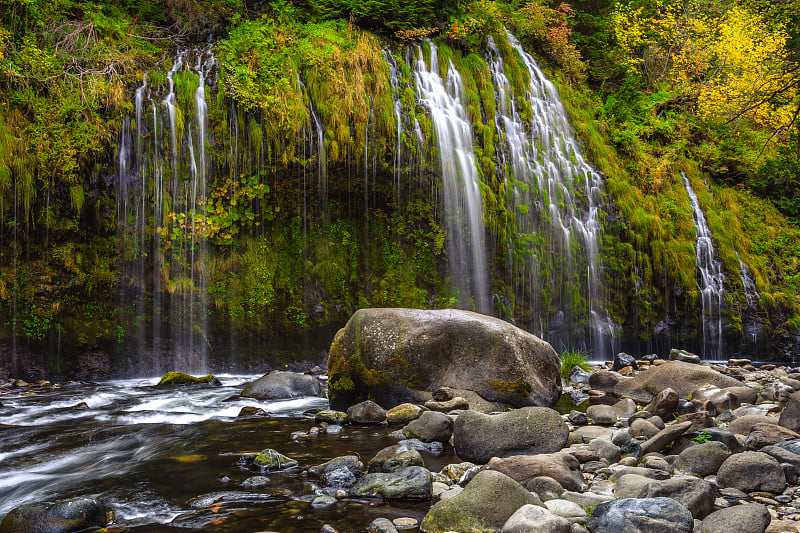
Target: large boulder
{"x": 63, "y": 517}
{"x": 279, "y": 385}
{"x": 478, "y": 437}
{"x": 429, "y": 427}
{"x": 695, "y": 494}
{"x": 404, "y": 355}
{"x": 746, "y": 518}
{"x": 752, "y": 471}
{"x": 484, "y": 506}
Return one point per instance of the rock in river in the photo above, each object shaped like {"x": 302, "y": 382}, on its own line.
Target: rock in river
{"x": 279, "y": 385}
{"x": 62, "y": 517}
{"x": 179, "y": 378}
{"x": 404, "y": 355}
{"x": 413, "y": 483}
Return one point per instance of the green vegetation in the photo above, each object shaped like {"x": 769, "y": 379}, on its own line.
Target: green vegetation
{"x": 700, "y": 438}
{"x": 572, "y": 358}
{"x": 296, "y": 243}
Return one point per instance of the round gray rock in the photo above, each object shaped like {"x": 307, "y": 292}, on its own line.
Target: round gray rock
{"x": 409, "y": 484}
{"x": 745, "y": 518}
{"x": 394, "y": 458}
{"x": 702, "y": 459}
{"x": 280, "y": 385}
{"x": 535, "y": 519}
{"x": 63, "y": 517}
{"x": 528, "y": 431}
{"x": 431, "y": 426}
{"x": 634, "y": 515}
{"x": 751, "y": 472}
{"x": 366, "y": 413}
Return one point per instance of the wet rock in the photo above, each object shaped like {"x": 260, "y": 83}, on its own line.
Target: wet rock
{"x": 693, "y": 493}
{"x": 578, "y": 375}
{"x": 561, "y": 466}
{"x": 413, "y": 483}
{"x": 681, "y": 377}
{"x": 178, "y": 378}
{"x": 381, "y": 525}
{"x": 664, "y": 404}
{"x": 602, "y": 414}
{"x": 621, "y": 360}
{"x": 211, "y": 498}
{"x": 270, "y": 460}
{"x": 456, "y": 404}
{"x": 402, "y": 414}
{"x": 702, "y": 459}
{"x": 746, "y": 518}
{"x": 485, "y": 504}
{"x": 751, "y": 472}
{"x": 279, "y": 385}
{"x": 545, "y": 487}
{"x": 350, "y": 462}
{"x": 331, "y": 417}
{"x": 531, "y": 430}
{"x": 64, "y": 517}
{"x": 453, "y": 472}
{"x": 683, "y": 355}
{"x": 249, "y": 411}
{"x": 323, "y": 500}
{"x": 431, "y": 426}
{"x": 255, "y": 481}
{"x": 766, "y": 435}
{"x": 394, "y": 458}
{"x": 433, "y": 448}
{"x": 435, "y": 348}
{"x": 366, "y": 413}
{"x": 534, "y": 519}
{"x": 649, "y": 515}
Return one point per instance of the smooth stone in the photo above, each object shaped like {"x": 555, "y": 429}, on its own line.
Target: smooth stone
{"x": 381, "y": 525}
{"x": 350, "y": 462}
{"x": 531, "y": 430}
{"x": 443, "y": 394}
{"x": 602, "y": 414}
{"x": 394, "y": 458}
{"x": 437, "y": 488}
{"x": 535, "y": 519}
{"x": 457, "y": 403}
{"x": 402, "y": 414}
{"x": 433, "y": 448}
{"x": 431, "y": 426}
{"x": 630, "y": 485}
{"x": 767, "y": 435}
{"x": 693, "y": 493}
{"x": 486, "y": 503}
{"x": 683, "y": 355}
{"x": 643, "y": 429}
{"x": 366, "y": 413}
{"x": 255, "y": 481}
{"x": 323, "y": 500}
{"x": 664, "y": 404}
{"x": 567, "y": 509}
{"x": 545, "y": 487}
{"x": 452, "y": 492}
{"x": 413, "y": 483}
{"x": 405, "y": 522}
{"x": 625, "y": 408}
{"x": 752, "y": 471}
{"x": 682, "y": 377}
{"x": 702, "y": 459}
{"x": 586, "y": 499}
{"x": 605, "y": 449}
{"x": 68, "y": 516}
{"x": 280, "y": 385}
{"x": 561, "y": 466}
{"x": 634, "y": 515}
{"x": 251, "y": 411}
{"x": 331, "y": 417}
{"x": 743, "y": 425}
{"x": 746, "y": 518}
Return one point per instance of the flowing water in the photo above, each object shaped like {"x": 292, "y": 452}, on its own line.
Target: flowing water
{"x": 144, "y": 451}
{"x": 558, "y": 199}
{"x": 710, "y": 280}
{"x": 462, "y": 202}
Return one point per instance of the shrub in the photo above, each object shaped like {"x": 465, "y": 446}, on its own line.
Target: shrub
{"x": 571, "y": 359}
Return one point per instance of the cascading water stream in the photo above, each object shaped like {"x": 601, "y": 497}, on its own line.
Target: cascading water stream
{"x": 554, "y": 192}
{"x": 463, "y": 205}
{"x": 162, "y": 225}
{"x": 710, "y": 280}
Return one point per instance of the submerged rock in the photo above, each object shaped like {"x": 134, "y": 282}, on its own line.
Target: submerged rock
{"x": 63, "y": 517}
{"x": 407, "y": 354}
{"x": 279, "y": 385}
{"x": 394, "y": 458}
{"x": 179, "y": 378}
{"x": 211, "y": 498}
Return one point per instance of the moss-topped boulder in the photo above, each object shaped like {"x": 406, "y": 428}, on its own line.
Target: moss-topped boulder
{"x": 179, "y": 378}
{"x": 63, "y": 517}
{"x": 403, "y": 355}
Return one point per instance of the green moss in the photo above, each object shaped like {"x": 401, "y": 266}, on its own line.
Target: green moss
{"x": 179, "y": 378}
{"x": 517, "y": 387}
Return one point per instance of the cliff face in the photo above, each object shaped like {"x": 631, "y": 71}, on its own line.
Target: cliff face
{"x": 167, "y": 203}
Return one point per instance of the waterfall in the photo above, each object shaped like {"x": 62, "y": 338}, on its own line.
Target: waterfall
{"x": 555, "y": 193}
{"x": 751, "y": 295}
{"x": 163, "y": 168}
{"x": 711, "y": 280}
{"x": 462, "y": 201}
